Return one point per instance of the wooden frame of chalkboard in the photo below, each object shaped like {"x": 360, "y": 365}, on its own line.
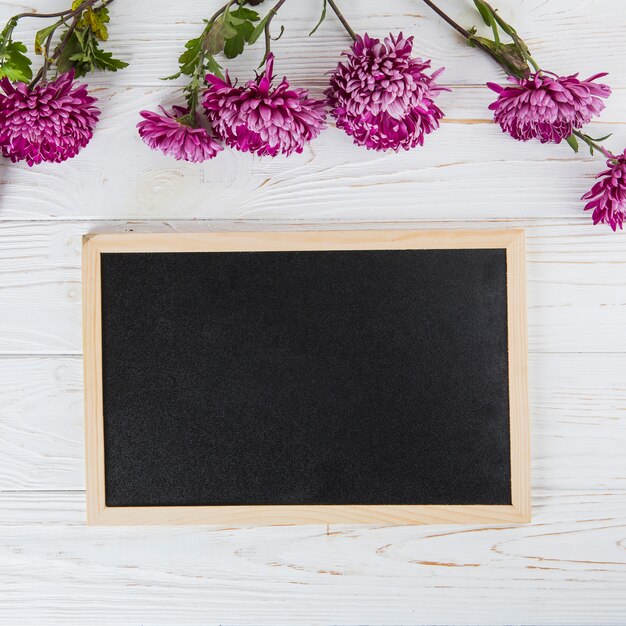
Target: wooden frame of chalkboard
{"x": 512, "y": 241}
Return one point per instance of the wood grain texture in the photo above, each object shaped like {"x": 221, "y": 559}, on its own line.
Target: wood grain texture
{"x": 570, "y": 563}
{"x": 576, "y": 279}
{"x": 330, "y": 180}
{"x": 565, "y": 37}
{"x": 568, "y": 567}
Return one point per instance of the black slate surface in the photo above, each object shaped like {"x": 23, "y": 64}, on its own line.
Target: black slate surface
{"x": 358, "y": 377}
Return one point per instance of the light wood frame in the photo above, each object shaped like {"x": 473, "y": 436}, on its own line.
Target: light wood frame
{"x": 511, "y": 240}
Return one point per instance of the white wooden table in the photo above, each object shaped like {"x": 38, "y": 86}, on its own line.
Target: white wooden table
{"x": 568, "y": 566}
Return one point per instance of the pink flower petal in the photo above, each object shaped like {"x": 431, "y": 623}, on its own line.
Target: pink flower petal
{"x": 382, "y": 97}
{"x": 50, "y": 123}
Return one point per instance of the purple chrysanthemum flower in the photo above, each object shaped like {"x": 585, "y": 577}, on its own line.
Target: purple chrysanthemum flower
{"x": 262, "y": 119}
{"x": 608, "y": 196}
{"x": 382, "y": 97}
{"x": 51, "y": 122}
{"x": 171, "y": 135}
{"x": 547, "y": 107}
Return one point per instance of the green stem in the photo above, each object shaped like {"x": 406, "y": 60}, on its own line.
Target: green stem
{"x": 466, "y": 34}
{"x": 523, "y": 50}
{"x": 46, "y": 56}
{"x": 194, "y": 93}
{"x": 533, "y": 63}
{"x": 591, "y": 142}
{"x": 67, "y": 13}
{"x": 520, "y": 44}
{"x": 48, "y": 59}
{"x": 268, "y": 36}
{"x": 7, "y": 33}
{"x": 342, "y": 19}
{"x": 41, "y": 74}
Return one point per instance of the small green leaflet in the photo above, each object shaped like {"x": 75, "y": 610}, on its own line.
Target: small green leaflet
{"x": 43, "y": 34}
{"x": 234, "y": 46}
{"x": 228, "y": 34}
{"x": 245, "y": 14}
{"x": 256, "y": 33}
{"x": 219, "y": 32}
{"x": 242, "y": 21}
{"x": 212, "y": 66}
{"x": 484, "y": 11}
{"x": 590, "y": 141}
{"x": 189, "y": 59}
{"x": 96, "y": 19}
{"x": 83, "y": 54}
{"x": 573, "y": 143}
{"x": 105, "y": 61}
{"x": 489, "y": 19}
{"x": 322, "y": 18}
{"x": 14, "y": 64}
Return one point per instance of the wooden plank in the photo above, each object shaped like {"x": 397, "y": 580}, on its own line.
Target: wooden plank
{"x": 577, "y": 402}
{"x": 565, "y": 37}
{"x": 485, "y": 174}
{"x": 566, "y": 569}
{"x": 576, "y": 280}
{"x": 570, "y": 563}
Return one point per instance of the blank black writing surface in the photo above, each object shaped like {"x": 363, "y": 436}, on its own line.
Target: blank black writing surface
{"x": 325, "y": 377}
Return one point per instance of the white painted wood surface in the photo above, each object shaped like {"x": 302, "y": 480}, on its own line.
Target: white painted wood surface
{"x": 567, "y": 567}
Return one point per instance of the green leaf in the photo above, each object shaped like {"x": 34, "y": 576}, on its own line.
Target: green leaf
{"x": 484, "y": 11}
{"x": 247, "y": 28}
{"x": 83, "y": 54}
{"x": 213, "y": 67}
{"x": 246, "y": 14}
{"x": 220, "y": 31}
{"x": 322, "y": 18}
{"x": 573, "y": 143}
{"x": 65, "y": 62}
{"x": 97, "y": 20}
{"x": 234, "y": 46}
{"x": 256, "y": 33}
{"x": 232, "y": 21}
{"x": 14, "y": 64}
{"x": 508, "y": 55}
{"x": 189, "y": 58}
{"x": 43, "y": 34}
{"x": 105, "y": 61}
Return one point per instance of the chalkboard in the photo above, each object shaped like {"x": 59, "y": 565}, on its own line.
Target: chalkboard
{"x": 298, "y": 377}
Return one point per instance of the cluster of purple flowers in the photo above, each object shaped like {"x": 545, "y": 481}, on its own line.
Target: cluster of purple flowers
{"x": 551, "y": 108}
{"x": 379, "y": 95}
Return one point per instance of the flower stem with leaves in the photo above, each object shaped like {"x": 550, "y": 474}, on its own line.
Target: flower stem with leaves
{"x": 78, "y": 47}
{"x": 227, "y": 31}
{"x": 513, "y": 57}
